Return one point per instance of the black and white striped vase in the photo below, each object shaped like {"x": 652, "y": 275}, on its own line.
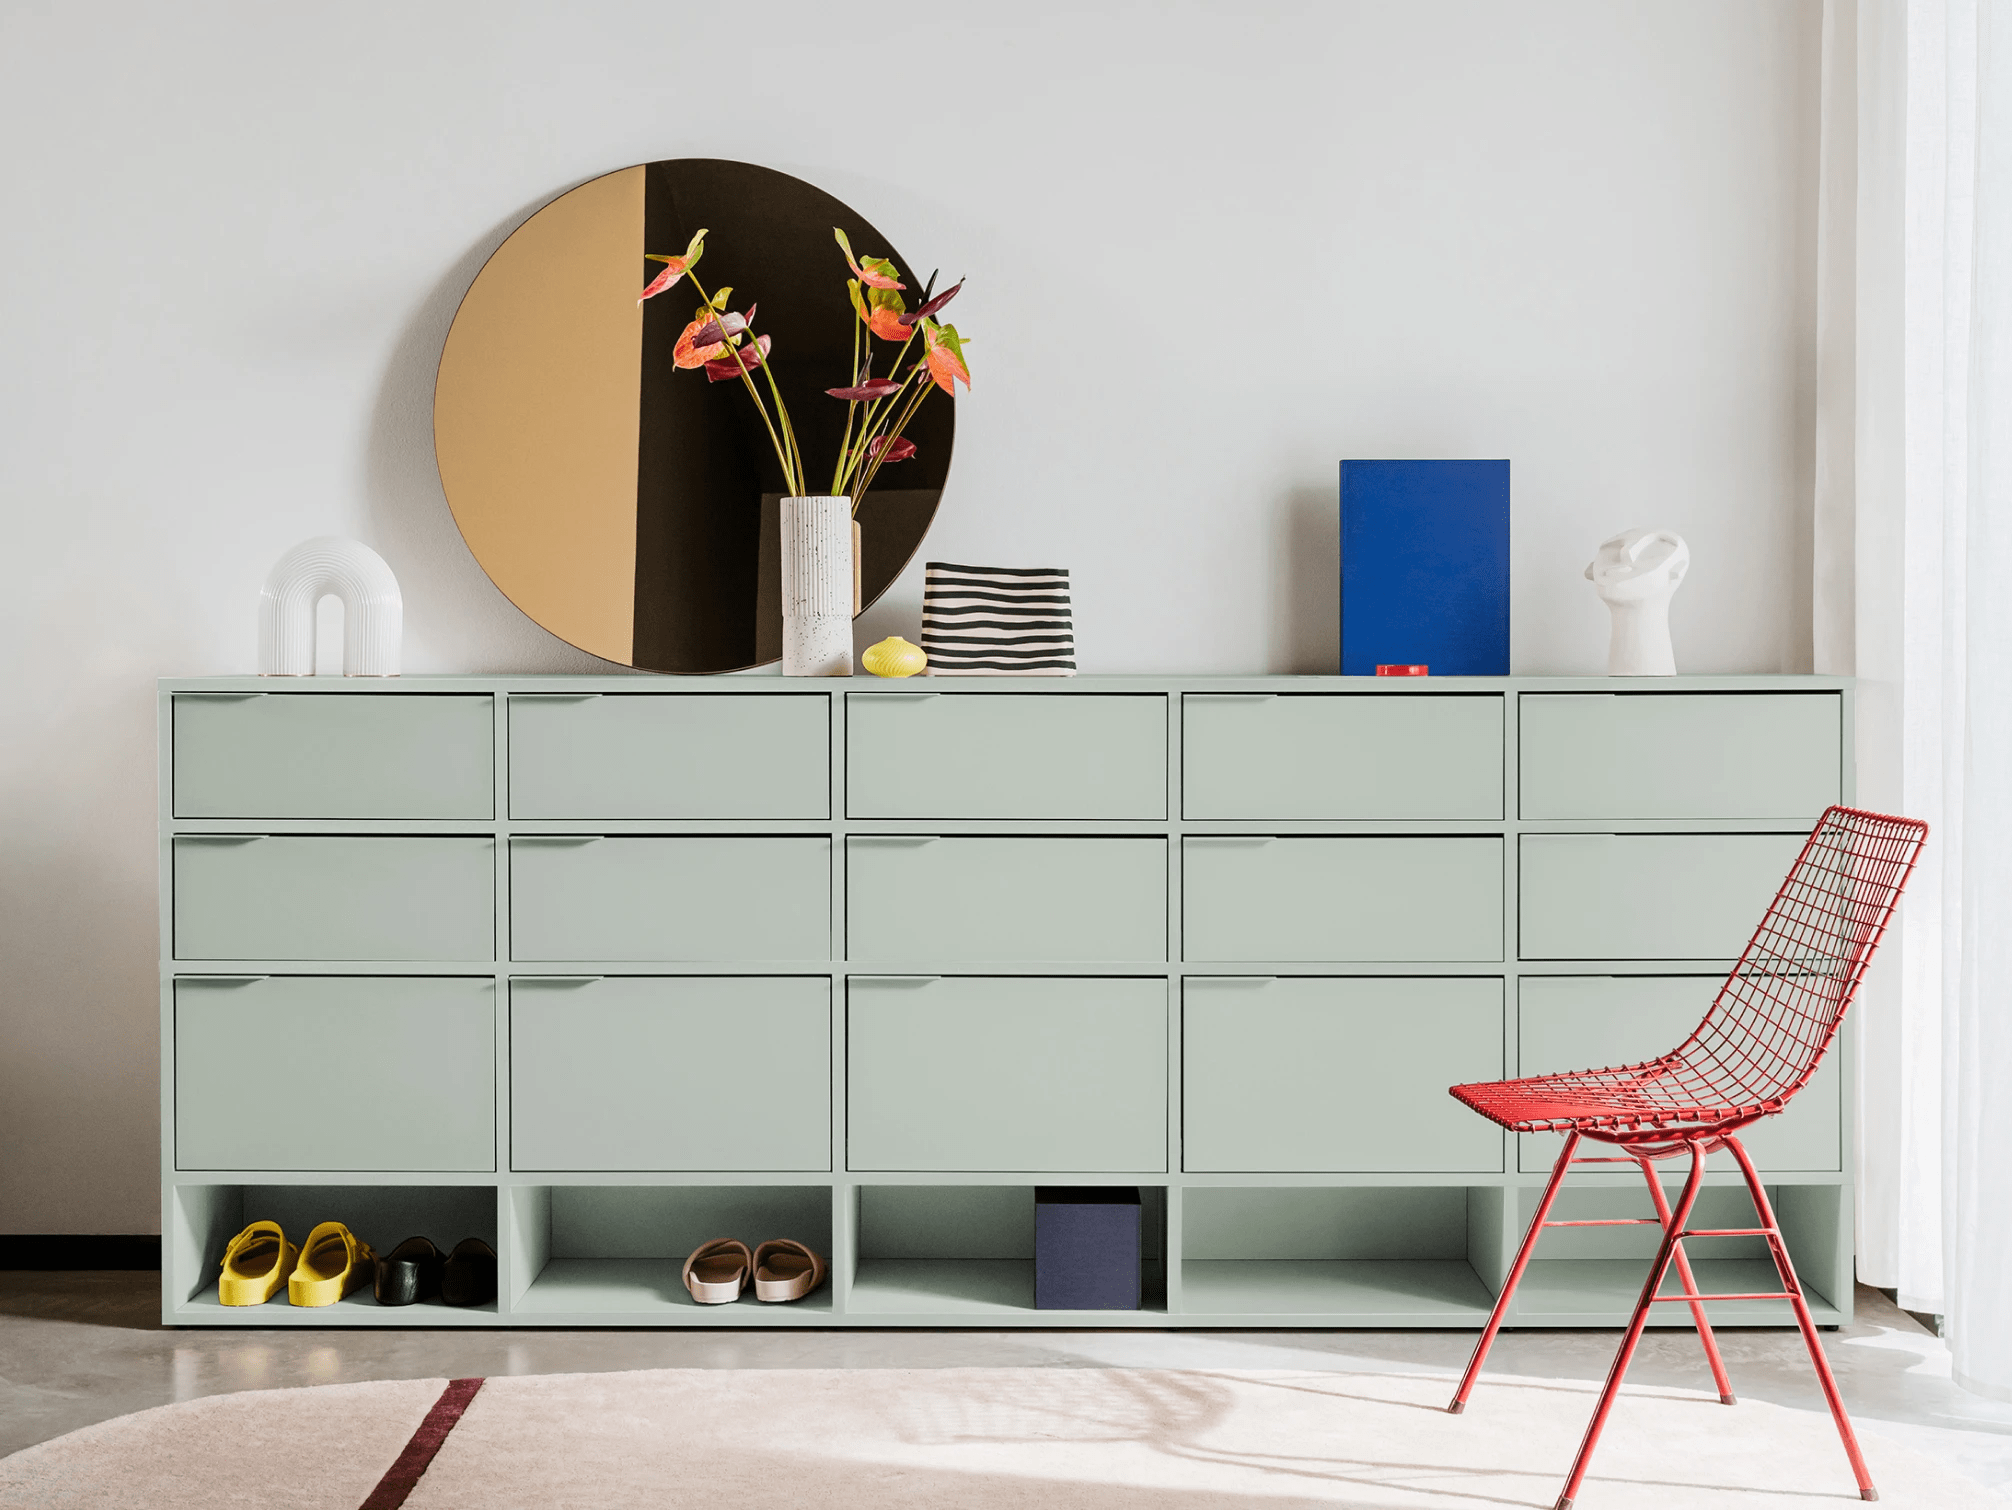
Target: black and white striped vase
{"x": 817, "y": 588}
{"x": 997, "y": 621}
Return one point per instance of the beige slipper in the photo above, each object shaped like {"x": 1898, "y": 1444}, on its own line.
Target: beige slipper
{"x": 717, "y": 1271}
{"x": 786, "y": 1270}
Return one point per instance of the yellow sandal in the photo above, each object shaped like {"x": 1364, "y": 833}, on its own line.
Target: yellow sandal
{"x": 333, "y": 1261}
{"x": 256, "y": 1264}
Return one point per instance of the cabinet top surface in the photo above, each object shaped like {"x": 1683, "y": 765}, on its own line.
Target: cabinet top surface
{"x": 1078, "y": 685}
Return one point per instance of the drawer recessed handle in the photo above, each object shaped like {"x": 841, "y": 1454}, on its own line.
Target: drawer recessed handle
{"x": 222, "y": 697}
{"x": 554, "y": 697}
{"x": 555, "y": 980}
{"x": 218, "y": 980}
{"x": 904, "y": 841}
{"x": 902, "y": 697}
{"x": 1233, "y": 982}
{"x": 893, "y": 980}
{"x": 563, "y": 839}
{"x": 220, "y": 838}
{"x": 1251, "y": 839}
{"x": 1230, "y": 697}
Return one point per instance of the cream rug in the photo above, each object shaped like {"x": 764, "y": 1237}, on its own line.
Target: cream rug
{"x": 1038, "y": 1438}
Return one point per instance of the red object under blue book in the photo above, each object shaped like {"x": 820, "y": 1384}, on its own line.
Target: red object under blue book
{"x": 1425, "y": 566}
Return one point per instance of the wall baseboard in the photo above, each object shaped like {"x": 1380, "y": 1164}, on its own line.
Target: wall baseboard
{"x": 79, "y": 1251}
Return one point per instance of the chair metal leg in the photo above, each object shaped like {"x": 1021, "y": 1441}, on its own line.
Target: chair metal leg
{"x": 1673, "y": 1232}
{"x": 1778, "y": 1249}
{"x": 1515, "y": 1277}
{"x": 1705, "y": 1336}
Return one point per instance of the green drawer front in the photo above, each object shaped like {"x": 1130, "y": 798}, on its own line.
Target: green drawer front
{"x": 335, "y": 1072}
{"x": 334, "y": 755}
{"x": 1648, "y": 896}
{"x": 998, "y": 900}
{"x": 671, "y": 755}
{"x": 740, "y": 898}
{"x": 1343, "y": 1076}
{"x": 370, "y": 897}
{"x": 1272, "y": 899}
{"x": 1005, "y": 755}
{"x": 1038, "y": 1076}
{"x": 684, "y": 1073}
{"x": 1681, "y": 754}
{"x": 1389, "y": 756}
{"x": 1576, "y": 1022}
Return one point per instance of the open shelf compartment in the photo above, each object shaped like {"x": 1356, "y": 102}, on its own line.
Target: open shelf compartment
{"x": 1342, "y": 1256}
{"x": 595, "y": 1254}
{"x": 965, "y": 1254}
{"x": 204, "y": 1218}
{"x": 1592, "y": 1276}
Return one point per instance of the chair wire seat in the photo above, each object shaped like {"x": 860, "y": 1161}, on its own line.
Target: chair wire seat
{"x": 1761, "y": 1040}
{"x": 1772, "y": 1021}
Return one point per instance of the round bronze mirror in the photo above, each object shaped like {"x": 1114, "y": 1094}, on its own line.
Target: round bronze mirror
{"x": 628, "y": 506}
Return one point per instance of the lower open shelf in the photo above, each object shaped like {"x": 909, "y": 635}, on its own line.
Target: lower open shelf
{"x": 1601, "y": 1292}
{"x": 1359, "y": 1292}
{"x": 601, "y": 1253}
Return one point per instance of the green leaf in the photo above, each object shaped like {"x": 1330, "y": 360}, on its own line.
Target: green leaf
{"x": 887, "y": 298}
{"x": 947, "y": 336}
{"x": 858, "y": 302}
{"x": 696, "y": 246}
{"x": 844, "y": 245}
{"x": 720, "y": 298}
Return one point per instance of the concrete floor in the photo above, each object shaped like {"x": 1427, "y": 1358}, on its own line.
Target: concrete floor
{"x": 82, "y": 1347}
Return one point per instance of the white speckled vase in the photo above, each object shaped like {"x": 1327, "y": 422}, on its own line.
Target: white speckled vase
{"x": 817, "y": 586}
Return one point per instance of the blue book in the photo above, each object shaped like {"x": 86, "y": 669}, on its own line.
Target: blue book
{"x": 1425, "y": 566}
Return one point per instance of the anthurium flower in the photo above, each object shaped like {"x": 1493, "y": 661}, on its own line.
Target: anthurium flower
{"x": 945, "y": 356}
{"x": 723, "y": 327}
{"x": 866, "y": 392}
{"x": 934, "y": 304}
{"x": 874, "y": 272}
{"x": 887, "y": 324}
{"x": 674, "y": 267}
{"x": 899, "y": 449}
{"x": 743, "y": 359}
{"x": 688, "y": 353}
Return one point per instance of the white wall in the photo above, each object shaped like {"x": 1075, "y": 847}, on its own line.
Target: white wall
{"x": 1213, "y": 248}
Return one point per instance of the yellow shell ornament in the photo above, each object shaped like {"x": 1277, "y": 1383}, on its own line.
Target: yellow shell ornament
{"x": 894, "y": 657}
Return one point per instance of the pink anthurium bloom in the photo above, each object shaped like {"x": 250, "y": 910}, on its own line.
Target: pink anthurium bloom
{"x": 674, "y": 267}
{"x": 688, "y": 353}
{"x": 945, "y": 356}
{"x": 723, "y": 327}
{"x": 934, "y": 304}
{"x": 886, "y": 324}
{"x": 899, "y": 449}
{"x": 866, "y": 392}
{"x": 744, "y": 359}
{"x": 874, "y": 272}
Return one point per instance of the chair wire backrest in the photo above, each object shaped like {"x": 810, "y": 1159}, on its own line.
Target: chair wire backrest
{"x": 1779, "y": 1010}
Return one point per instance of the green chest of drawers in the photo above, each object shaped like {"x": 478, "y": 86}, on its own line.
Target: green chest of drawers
{"x": 600, "y": 968}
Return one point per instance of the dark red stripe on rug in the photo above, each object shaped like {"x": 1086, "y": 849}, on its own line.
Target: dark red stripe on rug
{"x": 402, "y": 1476}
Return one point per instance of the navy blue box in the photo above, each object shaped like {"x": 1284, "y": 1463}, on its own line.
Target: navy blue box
{"x": 1087, "y": 1248}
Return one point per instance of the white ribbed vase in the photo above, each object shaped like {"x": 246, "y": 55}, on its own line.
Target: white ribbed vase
{"x": 817, "y": 586}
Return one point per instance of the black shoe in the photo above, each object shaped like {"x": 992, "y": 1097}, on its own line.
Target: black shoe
{"x": 469, "y": 1278}
{"x": 410, "y": 1272}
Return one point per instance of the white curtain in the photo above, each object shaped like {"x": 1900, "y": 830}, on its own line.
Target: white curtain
{"x": 1913, "y": 593}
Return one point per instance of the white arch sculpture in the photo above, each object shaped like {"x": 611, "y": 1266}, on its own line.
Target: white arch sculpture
{"x": 373, "y": 613}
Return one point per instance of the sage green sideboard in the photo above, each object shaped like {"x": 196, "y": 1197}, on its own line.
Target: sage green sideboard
{"x": 598, "y": 968}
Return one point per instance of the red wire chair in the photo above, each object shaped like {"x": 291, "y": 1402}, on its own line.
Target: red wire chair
{"x": 1761, "y": 1041}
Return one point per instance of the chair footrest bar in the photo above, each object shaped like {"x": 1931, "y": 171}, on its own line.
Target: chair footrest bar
{"x": 1687, "y": 1299}
{"x": 1733, "y": 1232}
{"x": 1614, "y": 1221}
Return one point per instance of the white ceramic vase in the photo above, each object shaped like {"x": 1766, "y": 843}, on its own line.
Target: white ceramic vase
{"x": 817, "y": 586}
{"x": 373, "y": 613}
